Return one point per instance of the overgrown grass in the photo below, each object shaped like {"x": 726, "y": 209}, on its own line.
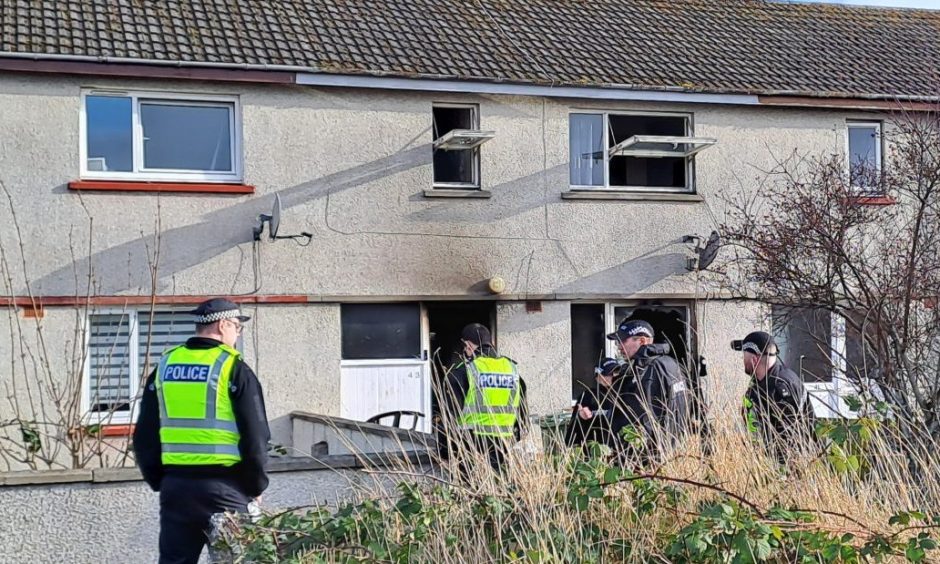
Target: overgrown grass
{"x": 857, "y": 499}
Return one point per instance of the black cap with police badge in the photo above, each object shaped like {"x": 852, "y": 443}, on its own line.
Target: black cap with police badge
{"x": 217, "y": 309}
{"x": 757, "y": 342}
{"x": 636, "y": 328}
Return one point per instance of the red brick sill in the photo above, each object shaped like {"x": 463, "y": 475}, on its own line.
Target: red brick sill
{"x": 191, "y": 187}
{"x": 112, "y": 430}
{"x": 873, "y": 200}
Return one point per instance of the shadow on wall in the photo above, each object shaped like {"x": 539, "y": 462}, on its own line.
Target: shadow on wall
{"x": 630, "y": 277}
{"x": 219, "y": 232}
{"x": 514, "y": 197}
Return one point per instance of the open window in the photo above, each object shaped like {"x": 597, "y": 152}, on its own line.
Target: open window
{"x": 457, "y": 141}
{"x": 642, "y": 152}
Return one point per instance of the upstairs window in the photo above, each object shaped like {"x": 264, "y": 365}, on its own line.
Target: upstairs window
{"x": 639, "y": 152}
{"x": 865, "y": 155}
{"x": 159, "y": 136}
{"x": 457, "y": 141}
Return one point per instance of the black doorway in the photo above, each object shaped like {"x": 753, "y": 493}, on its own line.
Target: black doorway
{"x": 445, "y": 322}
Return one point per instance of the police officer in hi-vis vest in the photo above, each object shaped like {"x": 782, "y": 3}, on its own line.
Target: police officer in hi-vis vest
{"x": 201, "y": 439}
{"x": 484, "y": 399}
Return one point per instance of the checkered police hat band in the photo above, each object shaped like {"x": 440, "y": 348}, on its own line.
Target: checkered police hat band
{"x": 751, "y": 348}
{"x": 218, "y": 316}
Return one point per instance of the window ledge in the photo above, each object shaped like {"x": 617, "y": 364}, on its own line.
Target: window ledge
{"x": 631, "y": 196}
{"x": 115, "y": 430}
{"x": 191, "y": 187}
{"x": 873, "y": 200}
{"x": 457, "y": 193}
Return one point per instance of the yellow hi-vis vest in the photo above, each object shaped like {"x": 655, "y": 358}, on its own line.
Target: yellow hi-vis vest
{"x": 491, "y": 405}
{"x": 197, "y": 423}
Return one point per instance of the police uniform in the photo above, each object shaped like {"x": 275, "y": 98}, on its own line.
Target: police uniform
{"x": 603, "y": 403}
{"x": 484, "y": 399}
{"x": 776, "y": 409}
{"x": 202, "y": 435}
{"x": 653, "y": 397}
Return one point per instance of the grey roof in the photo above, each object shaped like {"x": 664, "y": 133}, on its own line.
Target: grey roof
{"x": 744, "y": 46}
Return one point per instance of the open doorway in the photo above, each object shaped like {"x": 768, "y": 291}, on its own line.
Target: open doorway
{"x": 445, "y": 322}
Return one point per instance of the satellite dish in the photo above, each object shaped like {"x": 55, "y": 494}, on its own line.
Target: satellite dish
{"x": 274, "y": 224}
{"x": 706, "y": 253}
{"x": 275, "y": 217}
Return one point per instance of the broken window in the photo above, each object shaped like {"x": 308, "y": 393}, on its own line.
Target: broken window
{"x": 633, "y": 151}
{"x": 457, "y": 141}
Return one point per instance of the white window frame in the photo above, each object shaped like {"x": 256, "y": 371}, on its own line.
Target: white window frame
{"x": 879, "y": 154}
{"x": 135, "y": 378}
{"x": 689, "y": 187}
{"x": 165, "y": 98}
{"x": 830, "y": 396}
{"x": 476, "y": 184}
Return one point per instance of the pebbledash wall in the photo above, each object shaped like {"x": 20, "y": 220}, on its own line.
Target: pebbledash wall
{"x": 110, "y": 515}
{"x": 352, "y": 167}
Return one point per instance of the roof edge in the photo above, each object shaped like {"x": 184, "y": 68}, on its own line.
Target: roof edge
{"x": 265, "y": 73}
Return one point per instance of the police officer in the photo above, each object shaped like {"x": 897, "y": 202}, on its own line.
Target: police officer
{"x": 655, "y": 397}
{"x": 202, "y": 433}
{"x": 600, "y": 410}
{"x": 484, "y": 399}
{"x": 776, "y": 407}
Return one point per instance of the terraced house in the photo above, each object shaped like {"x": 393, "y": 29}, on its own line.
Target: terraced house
{"x": 534, "y": 165}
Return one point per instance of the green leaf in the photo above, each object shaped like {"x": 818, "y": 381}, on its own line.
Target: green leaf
{"x": 611, "y": 475}
{"x": 853, "y": 402}
{"x": 915, "y": 554}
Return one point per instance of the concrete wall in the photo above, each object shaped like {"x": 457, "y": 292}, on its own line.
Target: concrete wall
{"x": 93, "y": 522}
{"x": 351, "y": 167}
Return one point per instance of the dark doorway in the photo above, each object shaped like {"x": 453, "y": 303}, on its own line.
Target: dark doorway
{"x": 587, "y": 345}
{"x": 445, "y": 322}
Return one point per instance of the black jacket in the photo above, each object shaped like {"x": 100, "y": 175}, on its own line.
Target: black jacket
{"x": 248, "y": 405}
{"x": 656, "y": 398}
{"x": 455, "y": 389}
{"x": 779, "y": 410}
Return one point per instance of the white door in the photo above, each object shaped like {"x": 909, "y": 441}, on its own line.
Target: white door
{"x": 401, "y": 379}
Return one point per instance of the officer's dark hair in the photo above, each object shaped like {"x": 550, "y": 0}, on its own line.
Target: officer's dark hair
{"x": 203, "y": 327}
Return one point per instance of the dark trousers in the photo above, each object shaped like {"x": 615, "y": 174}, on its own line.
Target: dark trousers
{"x": 186, "y": 506}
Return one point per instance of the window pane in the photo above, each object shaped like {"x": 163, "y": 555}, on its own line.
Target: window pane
{"x": 109, "y": 133}
{"x": 109, "y": 363}
{"x": 453, "y": 166}
{"x": 663, "y": 172}
{"x": 168, "y": 329}
{"x": 864, "y": 147}
{"x": 586, "y": 146}
{"x": 381, "y": 331}
{"x": 179, "y": 137}
{"x": 804, "y": 337}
